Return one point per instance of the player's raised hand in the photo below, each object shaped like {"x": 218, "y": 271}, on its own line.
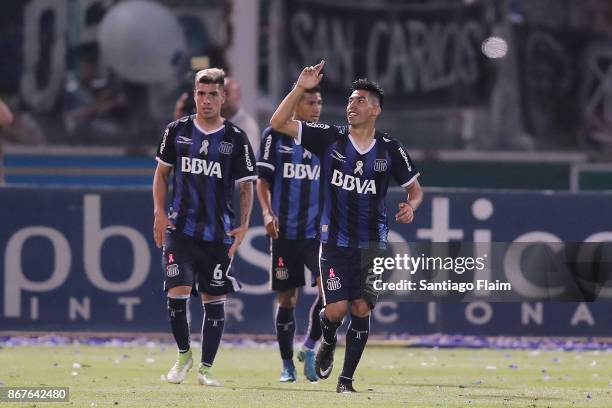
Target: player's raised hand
{"x": 271, "y": 224}
{"x": 311, "y": 76}
{"x": 160, "y": 224}
{"x": 238, "y": 234}
{"x": 405, "y": 215}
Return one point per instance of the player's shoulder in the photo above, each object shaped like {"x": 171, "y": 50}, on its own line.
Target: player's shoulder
{"x": 181, "y": 122}
{"x": 231, "y": 126}
{"x": 236, "y": 131}
{"x": 270, "y": 133}
{"x": 174, "y": 127}
{"x": 384, "y": 138}
{"x": 388, "y": 142}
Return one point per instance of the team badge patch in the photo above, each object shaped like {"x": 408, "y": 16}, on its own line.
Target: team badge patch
{"x": 333, "y": 282}
{"x": 172, "y": 270}
{"x": 380, "y": 165}
{"x": 226, "y": 148}
{"x": 281, "y": 272}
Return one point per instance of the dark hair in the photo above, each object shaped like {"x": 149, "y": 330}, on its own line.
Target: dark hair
{"x": 210, "y": 76}
{"x": 313, "y": 90}
{"x": 370, "y": 86}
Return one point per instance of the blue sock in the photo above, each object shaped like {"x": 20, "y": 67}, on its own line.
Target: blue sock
{"x": 285, "y": 330}
{"x": 288, "y": 364}
{"x": 356, "y": 339}
{"x": 212, "y": 330}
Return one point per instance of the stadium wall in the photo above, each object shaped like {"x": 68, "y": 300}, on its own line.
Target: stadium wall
{"x": 83, "y": 259}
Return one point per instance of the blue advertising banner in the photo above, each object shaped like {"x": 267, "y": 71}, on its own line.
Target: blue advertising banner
{"x": 84, "y": 260}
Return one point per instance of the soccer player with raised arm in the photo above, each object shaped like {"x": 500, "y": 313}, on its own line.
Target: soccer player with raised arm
{"x": 288, "y": 191}
{"x": 208, "y": 155}
{"x": 357, "y": 162}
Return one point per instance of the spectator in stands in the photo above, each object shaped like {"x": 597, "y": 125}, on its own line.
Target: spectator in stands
{"x": 93, "y": 110}
{"x": 232, "y": 111}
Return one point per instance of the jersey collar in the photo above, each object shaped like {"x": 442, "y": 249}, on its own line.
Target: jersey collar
{"x": 362, "y": 152}
{"x": 210, "y": 132}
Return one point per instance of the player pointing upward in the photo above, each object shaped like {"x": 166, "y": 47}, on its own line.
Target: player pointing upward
{"x": 357, "y": 162}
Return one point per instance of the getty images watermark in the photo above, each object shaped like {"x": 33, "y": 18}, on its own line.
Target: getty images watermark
{"x": 489, "y": 271}
{"x": 422, "y": 263}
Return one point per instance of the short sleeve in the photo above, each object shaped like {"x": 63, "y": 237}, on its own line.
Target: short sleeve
{"x": 267, "y": 156}
{"x": 402, "y": 168}
{"x": 316, "y": 137}
{"x": 243, "y": 165}
{"x": 166, "y": 152}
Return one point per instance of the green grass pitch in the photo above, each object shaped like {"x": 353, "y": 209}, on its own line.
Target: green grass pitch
{"x": 130, "y": 376}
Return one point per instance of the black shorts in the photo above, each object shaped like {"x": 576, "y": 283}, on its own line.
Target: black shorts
{"x": 346, "y": 273}
{"x": 288, "y": 260}
{"x": 203, "y": 265}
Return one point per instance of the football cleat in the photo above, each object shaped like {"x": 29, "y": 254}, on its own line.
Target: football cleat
{"x": 324, "y": 362}
{"x": 288, "y": 375}
{"x": 177, "y": 373}
{"x": 345, "y": 387}
{"x": 204, "y": 376}
{"x": 307, "y": 356}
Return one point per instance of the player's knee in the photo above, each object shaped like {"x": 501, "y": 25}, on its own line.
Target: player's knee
{"x": 287, "y": 298}
{"x": 334, "y": 312}
{"x": 177, "y": 308}
{"x": 329, "y": 322}
{"x": 360, "y": 308}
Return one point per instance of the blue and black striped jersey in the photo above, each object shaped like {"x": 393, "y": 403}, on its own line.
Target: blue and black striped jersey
{"x": 293, "y": 175}
{"x": 206, "y": 166}
{"x": 354, "y": 183}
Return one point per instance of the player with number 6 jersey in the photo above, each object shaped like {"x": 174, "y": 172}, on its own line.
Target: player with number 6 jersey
{"x": 208, "y": 155}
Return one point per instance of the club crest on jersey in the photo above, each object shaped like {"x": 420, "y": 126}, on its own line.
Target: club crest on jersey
{"x": 226, "y": 148}
{"x": 172, "y": 270}
{"x": 317, "y": 125}
{"x": 380, "y": 165}
{"x": 306, "y": 154}
{"x": 204, "y": 147}
{"x": 333, "y": 282}
{"x": 351, "y": 183}
{"x": 281, "y": 272}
